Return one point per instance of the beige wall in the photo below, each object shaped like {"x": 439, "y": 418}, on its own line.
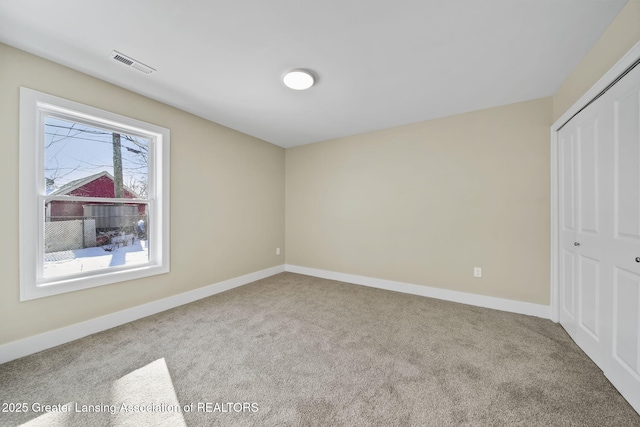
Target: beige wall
{"x": 227, "y": 200}
{"x": 620, "y": 36}
{"x": 425, "y": 203}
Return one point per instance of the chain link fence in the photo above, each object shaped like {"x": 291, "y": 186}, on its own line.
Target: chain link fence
{"x": 64, "y": 233}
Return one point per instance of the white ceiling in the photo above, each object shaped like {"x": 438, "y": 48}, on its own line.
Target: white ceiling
{"x": 379, "y": 63}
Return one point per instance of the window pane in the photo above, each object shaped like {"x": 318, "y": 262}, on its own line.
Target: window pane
{"x": 86, "y": 161}
{"x": 81, "y": 225}
{"x": 104, "y": 236}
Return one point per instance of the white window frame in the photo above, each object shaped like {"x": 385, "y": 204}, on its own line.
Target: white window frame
{"x": 34, "y": 107}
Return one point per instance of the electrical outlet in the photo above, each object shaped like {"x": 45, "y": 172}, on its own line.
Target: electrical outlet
{"x": 277, "y": 251}
{"x": 477, "y": 272}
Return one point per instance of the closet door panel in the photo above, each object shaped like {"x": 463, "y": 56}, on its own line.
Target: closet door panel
{"x": 567, "y": 180}
{"x": 568, "y": 288}
{"x": 589, "y": 253}
{"x": 626, "y": 322}
{"x": 627, "y": 166}
{"x": 567, "y": 264}
{"x": 588, "y": 176}
{"x": 589, "y": 278}
{"x": 624, "y": 246}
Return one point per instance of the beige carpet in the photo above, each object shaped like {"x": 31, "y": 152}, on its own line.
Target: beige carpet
{"x": 293, "y": 350}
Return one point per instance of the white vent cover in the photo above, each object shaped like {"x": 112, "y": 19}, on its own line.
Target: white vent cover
{"x": 131, "y": 62}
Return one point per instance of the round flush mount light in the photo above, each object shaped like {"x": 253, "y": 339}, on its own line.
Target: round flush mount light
{"x": 298, "y": 79}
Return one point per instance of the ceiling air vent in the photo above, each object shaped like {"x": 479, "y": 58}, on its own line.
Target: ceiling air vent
{"x": 131, "y": 62}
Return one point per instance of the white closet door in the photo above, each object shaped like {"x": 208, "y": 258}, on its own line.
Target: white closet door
{"x": 591, "y": 266}
{"x": 599, "y": 219}
{"x": 582, "y": 239}
{"x": 567, "y": 220}
{"x": 623, "y": 365}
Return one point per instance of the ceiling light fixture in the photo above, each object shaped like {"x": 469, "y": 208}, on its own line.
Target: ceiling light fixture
{"x": 298, "y": 79}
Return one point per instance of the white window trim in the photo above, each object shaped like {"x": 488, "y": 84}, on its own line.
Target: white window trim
{"x": 34, "y": 106}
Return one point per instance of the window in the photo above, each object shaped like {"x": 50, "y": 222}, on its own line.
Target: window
{"x": 94, "y": 197}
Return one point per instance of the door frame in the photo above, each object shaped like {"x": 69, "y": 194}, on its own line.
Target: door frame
{"x": 625, "y": 62}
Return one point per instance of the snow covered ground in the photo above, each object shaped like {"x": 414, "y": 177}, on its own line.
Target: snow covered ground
{"x": 63, "y": 263}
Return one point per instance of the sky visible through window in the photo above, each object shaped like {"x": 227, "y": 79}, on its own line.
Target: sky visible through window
{"x": 74, "y": 151}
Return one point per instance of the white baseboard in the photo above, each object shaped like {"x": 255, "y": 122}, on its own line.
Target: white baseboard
{"x": 512, "y": 306}
{"x": 27, "y": 346}
{"x": 36, "y": 343}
